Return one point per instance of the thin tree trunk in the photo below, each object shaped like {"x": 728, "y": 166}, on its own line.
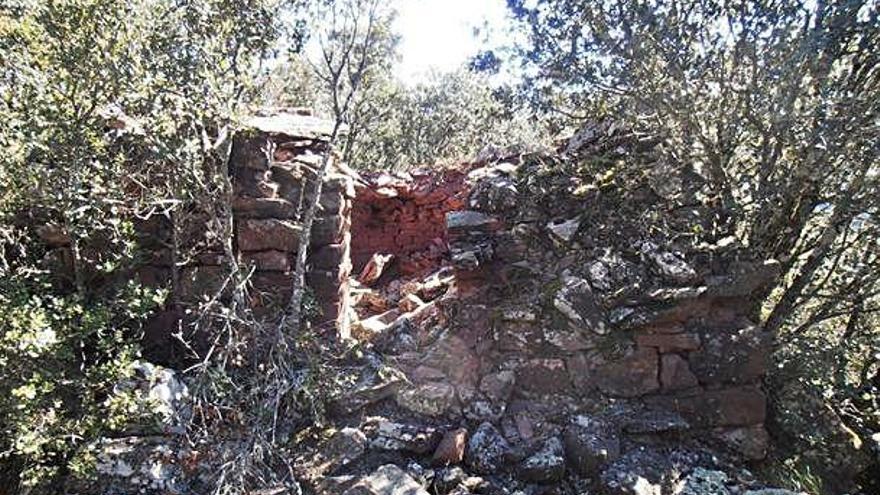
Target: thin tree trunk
{"x": 292, "y": 320}
{"x": 789, "y": 298}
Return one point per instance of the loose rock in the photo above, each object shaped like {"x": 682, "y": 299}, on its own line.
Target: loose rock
{"x": 387, "y": 480}
{"x": 590, "y": 444}
{"x": 487, "y": 449}
{"x": 451, "y": 448}
{"x": 545, "y": 466}
{"x": 430, "y": 399}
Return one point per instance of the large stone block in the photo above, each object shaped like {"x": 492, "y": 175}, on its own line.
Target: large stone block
{"x": 329, "y": 230}
{"x": 326, "y": 285}
{"x": 738, "y": 355}
{"x": 262, "y": 208}
{"x": 275, "y": 261}
{"x": 543, "y": 376}
{"x": 675, "y": 373}
{"x": 254, "y": 183}
{"x": 632, "y": 376}
{"x": 737, "y": 406}
{"x": 669, "y": 342}
{"x": 271, "y": 289}
{"x": 250, "y": 150}
{"x": 268, "y": 234}
{"x": 332, "y": 255}
{"x": 201, "y": 282}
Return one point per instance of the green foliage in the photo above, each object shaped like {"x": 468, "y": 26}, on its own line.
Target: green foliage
{"x": 110, "y": 110}
{"x": 793, "y": 474}
{"x": 390, "y": 125}
{"x": 447, "y": 119}
{"x": 60, "y": 357}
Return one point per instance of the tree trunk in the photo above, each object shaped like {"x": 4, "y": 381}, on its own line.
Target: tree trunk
{"x": 292, "y": 320}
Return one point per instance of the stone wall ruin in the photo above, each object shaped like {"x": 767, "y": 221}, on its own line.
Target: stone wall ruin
{"x": 542, "y": 330}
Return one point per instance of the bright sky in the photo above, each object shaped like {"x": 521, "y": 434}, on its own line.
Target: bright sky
{"x": 439, "y": 34}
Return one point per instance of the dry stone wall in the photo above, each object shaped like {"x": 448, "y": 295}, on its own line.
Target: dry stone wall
{"x": 273, "y": 167}
{"x": 564, "y": 303}
{"x": 404, "y": 215}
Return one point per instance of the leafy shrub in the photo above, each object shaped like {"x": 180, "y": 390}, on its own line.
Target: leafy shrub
{"x": 60, "y": 357}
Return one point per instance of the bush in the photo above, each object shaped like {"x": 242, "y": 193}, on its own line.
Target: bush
{"x": 60, "y": 357}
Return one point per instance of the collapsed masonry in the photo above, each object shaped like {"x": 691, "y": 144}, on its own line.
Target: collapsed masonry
{"x": 548, "y": 331}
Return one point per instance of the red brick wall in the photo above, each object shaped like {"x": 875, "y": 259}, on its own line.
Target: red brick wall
{"x": 405, "y": 216}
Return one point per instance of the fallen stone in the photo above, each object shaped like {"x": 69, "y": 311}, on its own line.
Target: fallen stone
{"x": 387, "y": 480}
{"x": 332, "y": 485}
{"x": 575, "y": 300}
{"x": 641, "y": 471}
{"x": 451, "y": 448}
{"x": 160, "y": 397}
{"x": 388, "y": 435}
{"x": 460, "y": 221}
{"x": 362, "y": 396}
{"x": 545, "y": 466}
{"x": 410, "y": 302}
{"x": 495, "y": 194}
{"x": 564, "y": 230}
{"x": 471, "y": 254}
{"x": 449, "y": 479}
{"x": 452, "y": 355}
{"x": 669, "y": 265}
{"x": 374, "y": 268}
{"x": 342, "y": 448}
{"x": 430, "y": 399}
{"x": 483, "y": 410}
{"x": 487, "y": 450}
{"x": 132, "y": 465}
{"x": 703, "y": 482}
{"x": 751, "y": 442}
{"x": 653, "y": 422}
{"x": 590, "y": 444}
{"x": 398, "y": 337}
{"x": 371, "y": 328}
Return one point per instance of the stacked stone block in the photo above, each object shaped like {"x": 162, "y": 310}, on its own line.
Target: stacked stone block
{"x": 404, "y": 215}
{"x": 274, "y": 168}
